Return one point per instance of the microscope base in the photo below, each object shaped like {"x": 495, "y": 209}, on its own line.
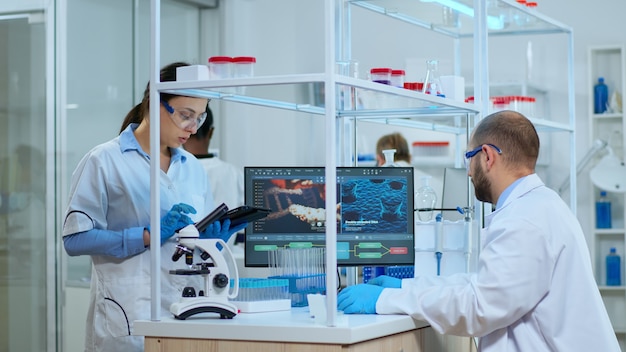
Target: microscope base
{"x": 184, "y": 309}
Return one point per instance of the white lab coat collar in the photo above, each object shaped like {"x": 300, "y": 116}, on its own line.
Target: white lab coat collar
{"x": 527, "y": 184}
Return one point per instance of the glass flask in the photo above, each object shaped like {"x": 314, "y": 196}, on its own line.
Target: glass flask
{"x": 425, "y": 200}
{"x": 432, "y": 84}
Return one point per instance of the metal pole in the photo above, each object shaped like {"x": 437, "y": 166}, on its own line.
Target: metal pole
{"x": 155, "y": 168}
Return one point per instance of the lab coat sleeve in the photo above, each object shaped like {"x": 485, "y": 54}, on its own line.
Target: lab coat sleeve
{"x": 514, "y": 273}
{"x": 119, "y": 244}
{"x": 88, "y": 200}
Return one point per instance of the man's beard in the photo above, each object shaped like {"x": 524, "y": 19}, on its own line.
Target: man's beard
{"x": 482, "y": 185}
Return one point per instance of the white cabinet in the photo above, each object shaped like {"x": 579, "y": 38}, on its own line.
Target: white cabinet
{"x": 607, "y": 128}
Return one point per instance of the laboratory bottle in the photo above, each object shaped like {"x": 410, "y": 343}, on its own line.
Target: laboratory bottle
{"x": 425, "y": 200}
{"x": 389, "y": 157}
{"x": 600, "y": 96}
{"x": 613, "y": 268}
{"x": 432, "y": 84}
{"x": 603, "y": 212}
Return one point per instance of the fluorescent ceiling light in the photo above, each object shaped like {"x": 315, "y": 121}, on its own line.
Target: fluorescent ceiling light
{"x": 492, "y": 22}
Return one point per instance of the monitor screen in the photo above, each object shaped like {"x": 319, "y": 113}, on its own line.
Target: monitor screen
{"x": 374, "y": 213}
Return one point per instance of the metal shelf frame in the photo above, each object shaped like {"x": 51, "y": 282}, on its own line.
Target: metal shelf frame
{"x": 421, "y": 110}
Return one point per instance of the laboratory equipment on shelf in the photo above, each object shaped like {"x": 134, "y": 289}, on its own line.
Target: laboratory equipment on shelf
{"x": 381, "y": 75}
{"x": 243, "y": 66}
{"x": 389, "y": 157}
{"x": 603, "y": 212}
{"x": 425, "y": 200}
{"x": 432, "y": 84}
{"x": 600, "y": 96}
{"x": 444, "y": 247}
{"x": 304, "y": 268}
{"x": 613, "y": 268}
{"x": 262, "y": 295}
{"x": 220, "y": 67}
{"x": 397, "y": 78}
{"x": 468, "y": 215}
{"x": 430, "y": 149}
{"x": 218, "y": 268}
{"x": 438, "y": 241}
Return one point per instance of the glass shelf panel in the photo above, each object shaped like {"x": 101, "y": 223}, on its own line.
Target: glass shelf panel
{"x": 504, "y": 17}
{"x": 304, "y": 93}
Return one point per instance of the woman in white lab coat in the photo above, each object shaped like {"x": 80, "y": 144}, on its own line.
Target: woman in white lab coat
{"x": 108, "y": 216}
{"x": 534, "y": 289}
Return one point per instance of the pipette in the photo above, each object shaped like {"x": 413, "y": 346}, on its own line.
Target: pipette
{"x": 439, "y": 241}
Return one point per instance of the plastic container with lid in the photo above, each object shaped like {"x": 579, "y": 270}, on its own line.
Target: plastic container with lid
{"x": 243, "y": 66}
{"x": 381, "y": 75}
{"x": 516, "y": 103}
{"x": 397, "y": 78}
{"x": 528, "y": 106}
{"x": 430, "y": 148}
{"x": 499, "y": 103}
{"x": 416, "y": 86}
{"x": 220, "y": 67}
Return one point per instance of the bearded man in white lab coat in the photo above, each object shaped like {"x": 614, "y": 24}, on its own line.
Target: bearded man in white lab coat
{"x": 534, "y": 288}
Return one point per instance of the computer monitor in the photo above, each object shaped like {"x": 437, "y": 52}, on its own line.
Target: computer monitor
{"x": 374, "y": 213}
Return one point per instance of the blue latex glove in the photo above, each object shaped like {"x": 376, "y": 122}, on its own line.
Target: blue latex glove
{"x": 359, "y": 299}
{"x": 174, "y": 220}
{"x": 222, "y": 230}
{"x": 386, "y": 281}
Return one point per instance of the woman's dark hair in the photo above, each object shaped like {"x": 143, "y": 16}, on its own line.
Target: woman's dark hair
{"x": 136, "y": 114}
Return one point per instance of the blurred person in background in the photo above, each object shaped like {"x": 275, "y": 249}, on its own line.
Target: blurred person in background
{"x": 225, "y": 179}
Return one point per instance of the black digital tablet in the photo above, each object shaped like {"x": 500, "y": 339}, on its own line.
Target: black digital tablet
{"x": 212, "y": 217}
{"x": 244, "y": 213}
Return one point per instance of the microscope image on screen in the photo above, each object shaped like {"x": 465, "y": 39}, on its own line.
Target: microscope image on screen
{"x": 374, "y": 213}
{"x": 374, "y": 205}
{"x": 295, "y": 204}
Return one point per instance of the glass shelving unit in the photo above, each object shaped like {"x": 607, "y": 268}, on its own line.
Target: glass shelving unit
{"x": 402, "y": 107}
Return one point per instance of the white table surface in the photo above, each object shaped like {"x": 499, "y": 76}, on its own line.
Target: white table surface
{"x": 294, "y": 325}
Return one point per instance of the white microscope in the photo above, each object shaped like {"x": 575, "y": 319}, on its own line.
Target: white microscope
{"x": 216, "y": 268}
